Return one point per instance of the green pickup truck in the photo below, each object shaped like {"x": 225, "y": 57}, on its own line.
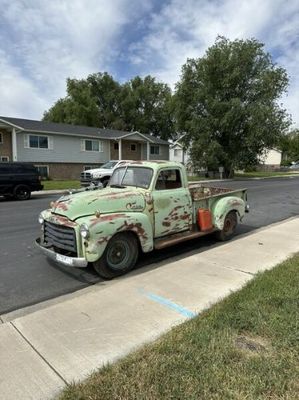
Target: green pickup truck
{"x": 146, "y": 206}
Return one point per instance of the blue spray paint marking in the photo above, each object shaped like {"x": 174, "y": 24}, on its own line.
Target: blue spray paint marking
{"x": 168, "y": 303}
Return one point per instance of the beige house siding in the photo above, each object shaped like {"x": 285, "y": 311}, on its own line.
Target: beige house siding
{"x": 126, "y": 151}
{"x": 5, "y": 146}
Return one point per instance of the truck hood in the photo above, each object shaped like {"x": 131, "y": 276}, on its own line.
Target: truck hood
{"x": 100, "y": 171}
{"x": 108, "y": 200}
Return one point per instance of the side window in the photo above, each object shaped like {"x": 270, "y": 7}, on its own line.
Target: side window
{"x": 169, "y": 179}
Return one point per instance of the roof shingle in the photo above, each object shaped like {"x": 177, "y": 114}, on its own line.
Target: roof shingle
{"x": 76, "y": 130}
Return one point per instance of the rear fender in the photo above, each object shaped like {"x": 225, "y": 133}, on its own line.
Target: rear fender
{"x": 103, "y": 228}
{"x": 224, "y": 206}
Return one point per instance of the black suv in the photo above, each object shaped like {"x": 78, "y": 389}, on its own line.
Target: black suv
{"x": 18, "y": 180}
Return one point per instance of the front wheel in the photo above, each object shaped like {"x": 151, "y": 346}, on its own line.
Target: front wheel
{"x": 229, "y": 227}
{"x": 119, "y": 257}
{"x": 105, "y": 182}
{"x": 22, "y": 192}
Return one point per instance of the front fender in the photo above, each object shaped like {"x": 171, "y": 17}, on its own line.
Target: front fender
{"x": 224, "y": 206}
{"x": 103, "y": 228}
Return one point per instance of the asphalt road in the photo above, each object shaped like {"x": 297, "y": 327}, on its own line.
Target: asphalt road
{"x": 27, "y": 277}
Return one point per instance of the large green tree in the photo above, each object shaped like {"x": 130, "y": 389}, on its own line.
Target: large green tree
{"x": 93, "y": 102}
{"x": 140, "y": 104}
{"x": 289, "y": 145}
{"x": 227, "y": 104}
{"x": 147, "y": 107}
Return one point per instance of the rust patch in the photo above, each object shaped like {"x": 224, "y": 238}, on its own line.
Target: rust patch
{"x": 135, "y": 227}
{"x": 235, "y": 202}
{"x": 59, "y": 219}
{"x": 60, "y": 205}
{"x": 106, "y": 218}
{"x": 104, "y": 239}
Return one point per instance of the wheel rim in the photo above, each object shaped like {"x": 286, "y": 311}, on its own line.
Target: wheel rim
{"x": 118, "y": 255}
{"x": 229, "y": 226}
{"x": 22, "y": 193}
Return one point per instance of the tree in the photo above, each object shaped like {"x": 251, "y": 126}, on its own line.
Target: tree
{"x": 140, "y": 104}
{"x": 227, "y": 104}
{"x": 92, "y": 102}
{"x": 289, "y": 145}
{"x": 147, "y": 107}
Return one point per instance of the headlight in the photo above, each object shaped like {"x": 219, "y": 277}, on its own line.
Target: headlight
{"x": 40, "y": 219}
{"x": 84, "y": 231}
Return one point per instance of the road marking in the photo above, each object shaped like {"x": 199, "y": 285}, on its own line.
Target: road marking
{"x": 168, "y": 303}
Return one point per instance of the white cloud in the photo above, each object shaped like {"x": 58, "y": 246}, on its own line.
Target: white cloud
{"x": 186, "y": 28}
{"x": 45, "y": 42}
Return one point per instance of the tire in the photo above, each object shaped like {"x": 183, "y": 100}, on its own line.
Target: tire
{"x": 105, "y": 182}
{"x": 119, "y": 257}
{"x": 229, "y": 227}
{"x": 22, "y": 192}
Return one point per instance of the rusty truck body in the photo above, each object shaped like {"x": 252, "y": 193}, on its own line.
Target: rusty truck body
{"x": 146, "y": 206}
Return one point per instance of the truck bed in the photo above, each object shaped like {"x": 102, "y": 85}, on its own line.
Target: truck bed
{"x": 199, "y": 192}
{"x": 206, "y": 196}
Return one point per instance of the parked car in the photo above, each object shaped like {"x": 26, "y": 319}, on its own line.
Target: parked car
{"x": 294, "y": 166}
{"x": 18, "y": 180}
{"x": 147, "y": 205}
{"x": 102, "y": 174}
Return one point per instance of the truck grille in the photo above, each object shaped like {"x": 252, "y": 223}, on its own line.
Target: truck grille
{"x": 60, "y": 236}
{"x": 85, "y": 175}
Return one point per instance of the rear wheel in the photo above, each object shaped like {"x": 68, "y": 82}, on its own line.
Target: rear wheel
{"x": 229, "y": 227}
{"x": 22, "y": 192}
{"x": 119, "y": 257}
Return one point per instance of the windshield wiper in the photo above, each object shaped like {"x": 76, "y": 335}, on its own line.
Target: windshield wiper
{"x": 118, "y": 186}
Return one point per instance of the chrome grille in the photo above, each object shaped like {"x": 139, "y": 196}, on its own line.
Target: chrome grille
{"x": 60, "y": 236}
{"x": 85, "y": 175}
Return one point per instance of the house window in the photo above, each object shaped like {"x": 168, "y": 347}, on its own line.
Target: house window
{"x": 43, "y": 171}
{"x": 177, "y": 152}
{"x": 93, "y": 145}
{"x": 155, "y": 150}
{"x": 115, "y": 146}
{"x": 1, "y": 137}
{"x": 133, "y": 147}
{"x": 4, "y": 159}
{"x": 38, "y": 142}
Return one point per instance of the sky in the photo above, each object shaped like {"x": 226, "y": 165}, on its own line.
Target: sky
{"x": 43, "y": 42}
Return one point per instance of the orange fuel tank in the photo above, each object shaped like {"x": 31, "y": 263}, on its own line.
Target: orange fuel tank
{"x": 204, "y": 219}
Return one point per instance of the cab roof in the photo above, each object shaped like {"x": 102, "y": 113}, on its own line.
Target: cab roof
{"x": 157, "y": 164}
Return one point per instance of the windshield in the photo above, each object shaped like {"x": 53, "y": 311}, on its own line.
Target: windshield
{"x": 109, "y": 165}
{"x": 132, "y": 176}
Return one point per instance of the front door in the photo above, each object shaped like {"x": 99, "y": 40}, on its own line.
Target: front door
{"x": 172, "y": 203}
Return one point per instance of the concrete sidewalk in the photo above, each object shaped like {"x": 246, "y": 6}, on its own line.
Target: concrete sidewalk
{"x": 42, "y": 351}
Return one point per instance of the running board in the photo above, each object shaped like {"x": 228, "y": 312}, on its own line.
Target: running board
{"x": 170, "y": 240}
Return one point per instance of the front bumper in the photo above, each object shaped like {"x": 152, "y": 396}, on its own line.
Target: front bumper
{"x": 61, "y": 259}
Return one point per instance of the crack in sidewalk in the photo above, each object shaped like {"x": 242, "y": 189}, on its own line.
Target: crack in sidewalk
{"x": 38, "y": 353}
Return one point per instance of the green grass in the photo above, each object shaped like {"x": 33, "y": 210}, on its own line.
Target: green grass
{"x": 245, "y": 347}
{"x": 198, "y": 178}
{"x": 263, "y": 174}
{"x": 57, "y": 185}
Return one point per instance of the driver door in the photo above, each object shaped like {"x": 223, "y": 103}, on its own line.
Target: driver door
{"x": 172, "y": 203}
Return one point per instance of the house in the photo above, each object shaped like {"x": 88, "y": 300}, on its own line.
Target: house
{"x": 177, "y": 153}
{"x": 63, "y": 151}
{"x": 270, "y": 160}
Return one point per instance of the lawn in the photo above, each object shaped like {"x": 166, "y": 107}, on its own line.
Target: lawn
{"x": 264, "y": 174}
{"x": 245, "y": 347}
{"x": 57, "y": 185}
